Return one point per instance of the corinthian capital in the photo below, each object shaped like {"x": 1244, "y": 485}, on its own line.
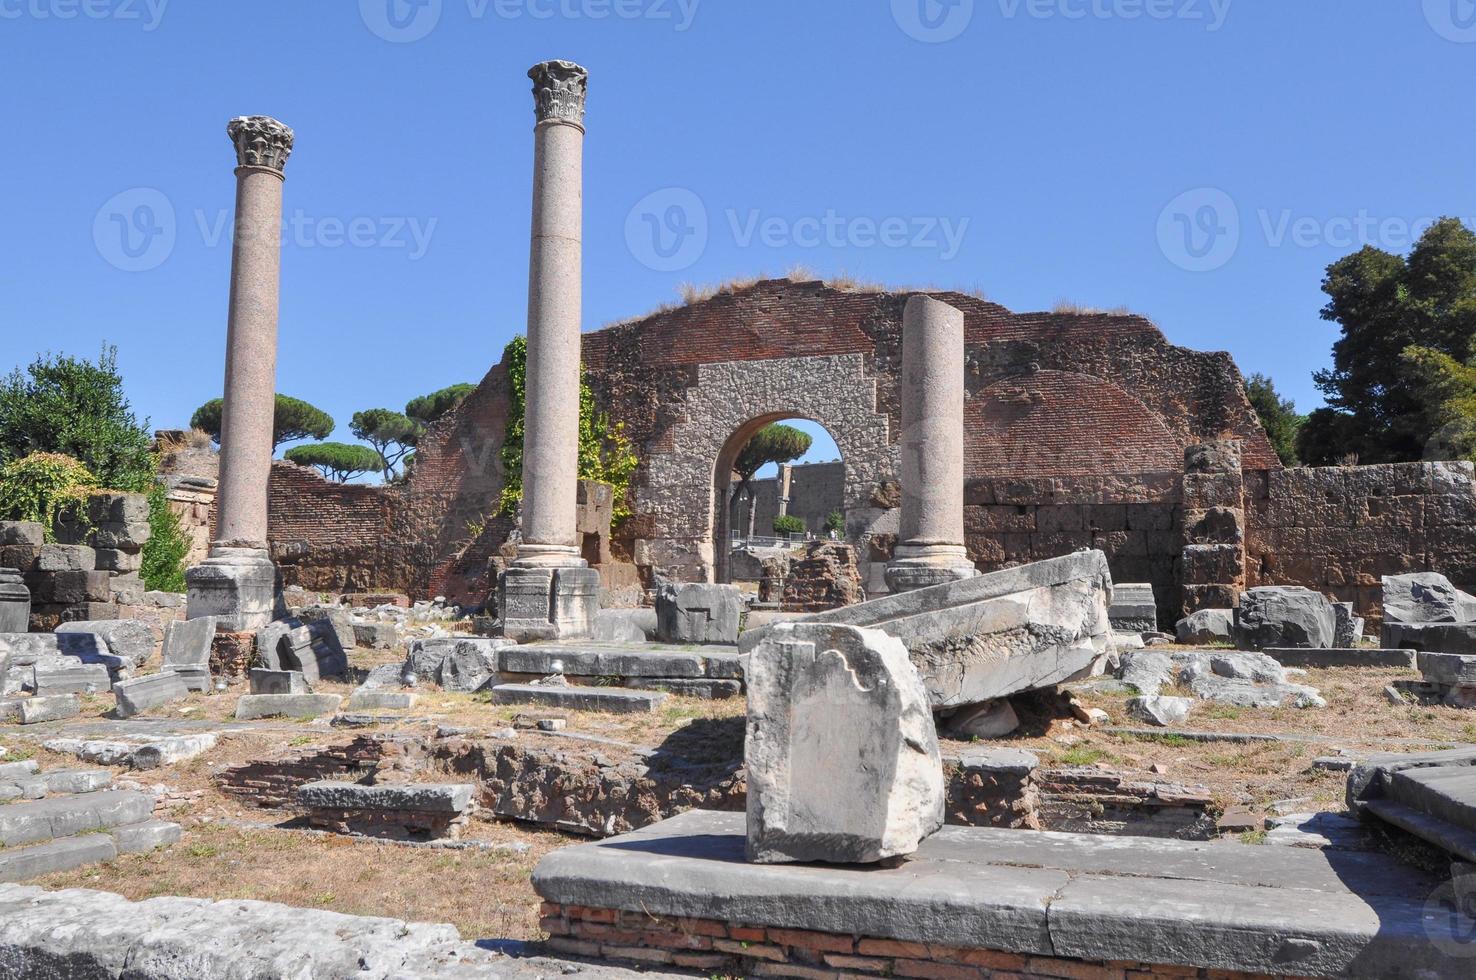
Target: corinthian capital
{"x": 260, "y": 141}
{"x": 559, "y": 89}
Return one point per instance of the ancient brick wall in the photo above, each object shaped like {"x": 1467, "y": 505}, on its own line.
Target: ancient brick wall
{"x": 327, "y": 536}
{"x": 1341, "y": 529}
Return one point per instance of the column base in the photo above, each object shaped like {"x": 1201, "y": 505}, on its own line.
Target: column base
{"x": 238, "y": 586}
{"x": 548, "y": 603}
{"x": 548, "y": 556}
{"x": 922, "y": 566}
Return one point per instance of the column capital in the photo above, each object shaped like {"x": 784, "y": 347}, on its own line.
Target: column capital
{"x": 559, "y": 89}
{"x": 261, "y": 141}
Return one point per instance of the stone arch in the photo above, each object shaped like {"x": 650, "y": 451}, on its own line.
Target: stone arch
{"x": 731, "y": 401}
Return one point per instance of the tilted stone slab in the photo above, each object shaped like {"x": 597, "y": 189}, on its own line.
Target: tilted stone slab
{"x": 1372, "y": 779}
{"x": 1446, "y": 792}
{"x": 65, "y": 816}
{"x": 21, "y": 863}
{"x": 1350, "y": 657}
{"x": 997, "y": 634}
{"x": 254, "y": 706}
{"x": 267, "y": 681}
{"x": 131, "y": 639}
{"x": 187, "y": 642}
{"x": 422, "y": 797}
{"x": 142, "y": 693}
{"x": 608, "y": 699}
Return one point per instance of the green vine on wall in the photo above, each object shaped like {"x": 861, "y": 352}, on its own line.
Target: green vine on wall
{"x": 605, "y": 452}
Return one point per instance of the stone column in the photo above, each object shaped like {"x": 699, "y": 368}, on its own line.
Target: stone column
{"x": 550, "y": 592}
{"x": 237, "y": 583}
{"x": 930, "y": 545}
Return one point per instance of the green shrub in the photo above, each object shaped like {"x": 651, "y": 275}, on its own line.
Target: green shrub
{"x": 42, "y": 487}
{"x": 337, "y": 460}
{"x": 788, "y": 524}
{"x": 836, "y": 521}
{"x": 164, "y": 553}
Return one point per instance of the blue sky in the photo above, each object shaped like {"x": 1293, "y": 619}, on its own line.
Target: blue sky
{"x": 1198, "y": 161}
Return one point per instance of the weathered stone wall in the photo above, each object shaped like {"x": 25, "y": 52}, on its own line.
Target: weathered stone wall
{"x": 1341, "y": 529}
{"x": 816, "y": 490}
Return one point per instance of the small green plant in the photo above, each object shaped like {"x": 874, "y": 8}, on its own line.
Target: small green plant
{"x": 163, "y": 566}
{"x": 44, "y": 488}
{"x": 1082, "y": 756}
{"x": 1254, "y": 837}
{"x": 788, "y": 524}
{"x": 836, "y": 521}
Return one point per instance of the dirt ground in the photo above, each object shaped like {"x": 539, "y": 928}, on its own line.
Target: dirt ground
{"x": 231, "y": 850}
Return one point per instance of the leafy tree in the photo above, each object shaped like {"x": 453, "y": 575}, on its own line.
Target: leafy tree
{"x": 1379, "y": 410}
{"x": 293, "y": 419}
{"x": 428, "y": 408}
{"x": 777, "y": 443}
{"x": 338, "y": 461}
{"x": 163, "y": 566}
{"x": 1450, "y": 393}
{"x": 789, "y": 524}
{"x": 64, "y": 405}
{"x": 835, "y": 521}
{"x": 44, "y": 487}
{"x": 605, "y": 452}
{"x": 1278, "y": 416}
{"x": 392, "y": 435}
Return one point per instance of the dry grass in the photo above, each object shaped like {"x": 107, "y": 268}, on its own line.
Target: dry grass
{"x": 1067, "y": 306}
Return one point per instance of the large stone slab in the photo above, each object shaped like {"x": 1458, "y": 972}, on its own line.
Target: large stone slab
{"x": 264, "y": 681}
{"x": 1189, "y": 905}
{"x": 425, "y": 657}
{"x": 140, "y": 838}
{"x": 698, "y": 613}
{"x": 142, "y": 693}
{"x": 1459, "y": 638}
{"x": 420, "y": 797}
{"x": 595, "y": 659}
{"x": 187, "y": 642}
{"x": 137, "y": 751}
{"x": 1426, "y": 597}
{"x": 1205, "y": 627}
{"x": 49, "y": 679}
{"x": 609, "y": 699}
{"x": 1335, "y": 657}
{"x": 250, "y": 707}
{"x": 65, "y": 816}
{"x": 1284, "y": 616}
{"x": 1133, "y": 608}
{"x": 1451, "y": 669}
{"x": 131, "y": 639}
{"x": 58, "y": 707}
{"x": 314, "y": 650}
{"x": 471, "y": 665}
{"x": 21, "y": 863}
{"x": 997, "y": 634}
{"x": 841, "y": 753}
{"x": 27, "y": 649}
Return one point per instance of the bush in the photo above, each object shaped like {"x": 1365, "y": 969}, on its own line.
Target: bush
{"x": 789, "y": 524}
{"x": 164, "y": 553}
{"x": 337, "y": 460}
{"x": 836, "y": 521}
{"x": 43, "y": 487}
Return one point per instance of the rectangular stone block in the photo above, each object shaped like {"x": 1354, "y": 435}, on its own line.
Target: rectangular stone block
{"x": 595, "y": 660}
{"x": 34, "y": 711}
{"x": 420, "y": 797}
{"x": 698, "y": 613}
{"x": 612, "y": 700}
{"x": 23, "y": 863}
{"x": 188, "y": 642}
{"x": 114, "y": 560}
{"x": 64, "y": 816}
{"x": 142, "y": 693}
{"x": 255, "y": 706}
{"x": 1349, "y": 657}
{"x": 22, "y": 533}
{"x": 1448, "y": 668}
{"x": 140, "y": 838}
{"x": 381, "y": 699}
{"x": 196, "y": 677}
{"x": 81, "y": 679}
{"x": 66, "y": 558}
{"x": 77, "y": 780}
{"x": 267, "y": 681}
{"x": 72, "y": 587}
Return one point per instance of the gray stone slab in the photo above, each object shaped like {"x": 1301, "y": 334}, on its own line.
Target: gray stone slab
{"x": 1349, "y": 657}
{"x": 57, "y": 707}
{"x": 267, "y": 681}
{"x": 66, "y": 558}
{"x": 603, "y": 660}
{"x": 131, "y": 639}
{"x": 1455, "y": 841}
{"x": 77, "y": 780}
{"x": 1133, "y": 609}
{"x": 65, "y": 816}
{"x": 21, "y": 863}
{"x": 705, "y": 688}
{"x": 82, "y": 679}
{"x": 188, "y": 642}
{"x": 140, "y": 838}
{"x": 471, "y": 665}
{"x": 695, "y": 612}
{"x": 420, "y": 797}
{"x": 608, "y": 699}
{"x": 1433, "y": 637}
{"x": 151, "y": 691}
{"x": 28, "y": 648}
{"x": 254, "y": 706}
{"x": 425, "y": 657}
{"x": 139, "y": 751}
{"x": 11, "y": 771}
{"x": 1448, "y": 668}
{"x": 196, "y": 677}
{"x": 1445, "y": 792}
{"x": 381, "y": 699}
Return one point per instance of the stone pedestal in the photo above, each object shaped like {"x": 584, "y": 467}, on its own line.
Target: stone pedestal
{"x": 930, "y": 549}
{"x": 237, "y": 583}
{"x": 15, "y": 602}
{"x": 548, "y": 603}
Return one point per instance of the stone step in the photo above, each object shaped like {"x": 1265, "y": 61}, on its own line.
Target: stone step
{"x": 140, "y": 838}
{"x": 421, "y": 797}
{"x": 253, "y": 706}
{"x": 614, "y": 700}
{"x": 73, "y": 781}
{"x": 63, "y": 854}
{"x": 1445, "y": 792}
{"x": 67, "y": 816}
{"x": 1350, "y": 657}
{"x": 1446, "y": 836}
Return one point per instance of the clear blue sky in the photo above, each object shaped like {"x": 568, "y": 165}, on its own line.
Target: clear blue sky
{"x": 1053, "y": 139}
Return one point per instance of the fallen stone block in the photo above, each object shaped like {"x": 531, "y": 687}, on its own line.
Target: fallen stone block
{"x": 27, "y": 649}
{"x": 377, "y": 636}
{"x": 381, "y": 699}
{"x": 424, "y": 797}
{"x": 1205, "y": 627}
{"x": 841, "y": 753}
{"x": 66, "y": 816}
{"x": 11, "y": 771}
{"x": 698, "y": 613}
{"x": 607, "y": 699}
{"x": 1133, "y": 608}
{"x": 994, "y": 635}
{"x": 255, "y": 706}
{"x": 266, "y": 681}
{"x": 79, "y": 679}
{"x": 152, "y": 691}
{"x": 993, "y": 719}
{"x": 425, "y": 657}
{"x": 471, "y": 665}
{"x": 605, "y": 660}
{"x": 58, "y": 707}
{"x": 707, "y": 689}
{"x": 187, "y": 642}
{"x": 314, "y": 649}
{"x": 21, "y": 863}
{"x": 77, "y": 780}
{"x": 1160, "y": 710}
{"x": 625, "y": 625}
{"x": 1344, "y": 657}
{"x": 138, "y": 752}
{"x": 1459, "y": 638}
{"x": 1284, "y": 616}
{"x": 338, "y": 618}
{"x": 1348, "y": 625}
{"x": 1426, "y": 597}
{"x": 140, "y": 838}
{"x": 131, "y": 639}
{"x": 196, "y": 677}
{"x": 1451, "y": 669}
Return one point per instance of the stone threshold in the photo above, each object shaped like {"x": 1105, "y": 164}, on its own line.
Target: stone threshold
{"x": 1114, "y": 906}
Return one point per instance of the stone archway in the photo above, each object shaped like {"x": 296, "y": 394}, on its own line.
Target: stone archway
{"x": 680, "y": 485}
